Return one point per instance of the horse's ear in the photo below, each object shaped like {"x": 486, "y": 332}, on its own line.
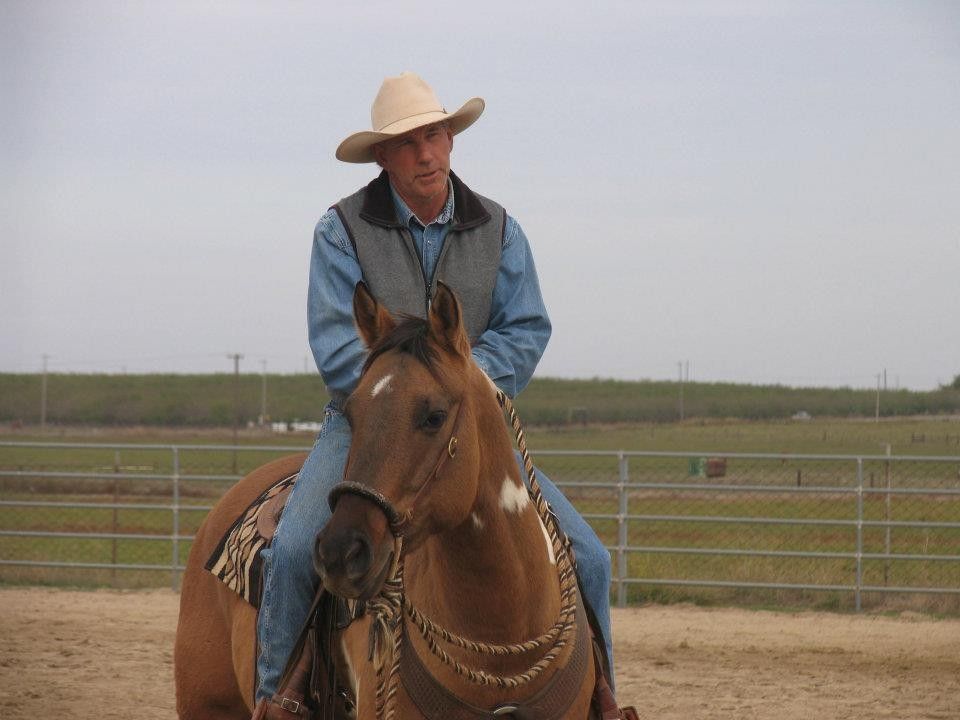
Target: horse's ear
{"x": 446, "y": 322}
{"x": 372, "y": 319}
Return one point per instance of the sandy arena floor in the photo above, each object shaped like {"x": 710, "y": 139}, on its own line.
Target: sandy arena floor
{"x": 109, "y": 654}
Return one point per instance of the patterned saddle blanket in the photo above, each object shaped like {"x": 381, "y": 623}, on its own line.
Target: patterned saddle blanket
{"x": 237, "y": 561}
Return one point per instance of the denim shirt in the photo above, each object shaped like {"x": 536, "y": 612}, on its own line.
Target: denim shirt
{"x": 508, "y": 351}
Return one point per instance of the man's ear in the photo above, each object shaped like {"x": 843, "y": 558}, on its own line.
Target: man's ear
{"x": 378, "y": 154}
{"x": 372, "y": 319}
{"x": 446, "y": 322}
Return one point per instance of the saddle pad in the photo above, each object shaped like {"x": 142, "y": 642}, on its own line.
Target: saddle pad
{"x": 236, "y": 562}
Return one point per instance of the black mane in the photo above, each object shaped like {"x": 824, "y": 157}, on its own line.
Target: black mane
{"x": 411, "y": 336}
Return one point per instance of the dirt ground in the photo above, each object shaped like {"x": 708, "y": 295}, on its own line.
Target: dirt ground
{"x": 109, "y": 654}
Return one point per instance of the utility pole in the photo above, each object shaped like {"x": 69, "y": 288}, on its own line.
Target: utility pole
{"x": 43, "y": 395}
{"x": 263, "y": 392}
{"x": 236, "y": 357}
{"x": 877, "y": 415}
{"x": 680, "y": 371}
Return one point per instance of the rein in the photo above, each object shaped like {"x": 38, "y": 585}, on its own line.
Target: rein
{"x": 389, "y": 608}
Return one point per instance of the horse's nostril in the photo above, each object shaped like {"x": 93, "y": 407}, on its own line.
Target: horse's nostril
{"x": 347, "y": 556}
{"x": 357, "y": 558}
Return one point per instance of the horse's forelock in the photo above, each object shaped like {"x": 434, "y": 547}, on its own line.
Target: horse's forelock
{"x": 410, "y": 336}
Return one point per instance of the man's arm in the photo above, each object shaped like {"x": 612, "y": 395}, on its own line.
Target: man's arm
{"x": 510, "y": 348}
{"x": 508, "y": 351}
{"x": 334, "y": 273}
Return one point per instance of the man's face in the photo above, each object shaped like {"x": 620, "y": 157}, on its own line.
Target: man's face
{"x": 418, "y": 163}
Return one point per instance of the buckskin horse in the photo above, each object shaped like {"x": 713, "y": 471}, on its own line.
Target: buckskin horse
{"x": 472, "y": 608}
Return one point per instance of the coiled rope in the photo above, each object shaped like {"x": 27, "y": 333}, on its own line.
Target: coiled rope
{"x": 391, "y": 605}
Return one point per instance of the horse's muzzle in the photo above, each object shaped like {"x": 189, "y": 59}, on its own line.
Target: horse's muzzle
{"x": 348, "y": 557}
{"x": 352, "y": 554}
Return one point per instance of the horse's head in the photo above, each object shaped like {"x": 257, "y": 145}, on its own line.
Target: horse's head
{"x": 412, "y": 469}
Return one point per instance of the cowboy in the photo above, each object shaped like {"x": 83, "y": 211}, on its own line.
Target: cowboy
{"x": 416, "y": 223}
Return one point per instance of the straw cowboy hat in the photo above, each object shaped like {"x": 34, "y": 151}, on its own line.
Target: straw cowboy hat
{"x": 404, "y": 103}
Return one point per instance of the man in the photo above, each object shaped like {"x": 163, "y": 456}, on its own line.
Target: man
{"x": 414, "y": 224}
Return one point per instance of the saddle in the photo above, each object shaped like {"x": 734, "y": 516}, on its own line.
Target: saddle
{"x": 313, "y": 686}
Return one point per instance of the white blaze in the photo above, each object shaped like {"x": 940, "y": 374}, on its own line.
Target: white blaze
{"x": 513, "y": 498}
{"x": 382, "y": 384}
{"x": 477, "y": 522}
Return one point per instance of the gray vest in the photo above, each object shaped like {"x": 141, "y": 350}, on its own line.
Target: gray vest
{"x": 391, "y": 265}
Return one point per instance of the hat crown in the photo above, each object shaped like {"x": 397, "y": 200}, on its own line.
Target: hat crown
{"x": 405, "y": 103}
{"x": 402, "y": 97}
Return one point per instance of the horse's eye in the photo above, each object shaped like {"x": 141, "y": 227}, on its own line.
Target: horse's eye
{"x": 435, "y": 420}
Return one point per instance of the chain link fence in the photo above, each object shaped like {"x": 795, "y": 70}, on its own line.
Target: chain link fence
{"x": 801, "y": 530}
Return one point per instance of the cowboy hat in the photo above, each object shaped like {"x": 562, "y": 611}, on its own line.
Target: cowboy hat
{"x": 404, "y": 103}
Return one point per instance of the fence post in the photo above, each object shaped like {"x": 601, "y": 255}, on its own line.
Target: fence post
{"x": 622, "y": 534}
{"x": 114, "y": 527}
{"x": 175, "y": 573}
{"x": 859, "y": 582}
{"x": 886, "y": 518}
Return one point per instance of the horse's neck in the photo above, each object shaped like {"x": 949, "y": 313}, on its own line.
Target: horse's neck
{"x": 493, "y": 577}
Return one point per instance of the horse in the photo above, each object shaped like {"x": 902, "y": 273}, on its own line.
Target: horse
{"x": 471, "y": 598}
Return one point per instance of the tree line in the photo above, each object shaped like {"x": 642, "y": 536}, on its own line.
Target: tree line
{"x": 217, "y": 400}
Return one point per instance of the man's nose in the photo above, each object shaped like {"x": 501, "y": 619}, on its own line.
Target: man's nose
{"x": 424, "y": 152}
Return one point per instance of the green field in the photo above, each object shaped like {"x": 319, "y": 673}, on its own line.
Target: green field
{"x": 937, "y": 435}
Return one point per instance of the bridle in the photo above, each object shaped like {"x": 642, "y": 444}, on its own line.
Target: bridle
{"x": 391, "y": 605}
{"x": 399, "y": 522}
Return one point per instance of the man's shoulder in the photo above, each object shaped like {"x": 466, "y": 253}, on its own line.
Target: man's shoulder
{"x": 330, "y": 229}
{"x": 472, "y": 208}
{"x": 328, "y": 221}
{"x": 354, "y": 198}
{"x": 498, "y": 212}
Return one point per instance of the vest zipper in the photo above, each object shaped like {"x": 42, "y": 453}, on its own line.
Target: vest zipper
{"x": 423, "y": 273}
{"x": 436, "y": 268}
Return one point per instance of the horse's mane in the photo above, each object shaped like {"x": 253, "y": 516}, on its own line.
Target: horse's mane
{"x": 411, "y": 336}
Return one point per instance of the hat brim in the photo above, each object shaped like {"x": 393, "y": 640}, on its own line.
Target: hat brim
{"x": 358, "y": 148}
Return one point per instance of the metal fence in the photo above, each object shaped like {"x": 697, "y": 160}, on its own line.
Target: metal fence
{"x": 821, "y": 530}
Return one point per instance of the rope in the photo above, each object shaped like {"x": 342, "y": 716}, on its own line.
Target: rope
{"x": 390, "y": 606}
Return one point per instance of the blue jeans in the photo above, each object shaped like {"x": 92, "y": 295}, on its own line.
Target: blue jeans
{"x": 290, "y": 581}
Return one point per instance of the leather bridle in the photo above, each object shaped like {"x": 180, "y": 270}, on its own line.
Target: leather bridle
{"x": 390, "y": 608}
{"x": 399, "y": 522}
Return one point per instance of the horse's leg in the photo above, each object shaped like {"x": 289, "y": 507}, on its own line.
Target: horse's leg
{"x": 206, "y": 683}
{"x": 213, "y": 656}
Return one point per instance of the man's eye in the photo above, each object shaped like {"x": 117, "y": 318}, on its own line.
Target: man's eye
{"x": 435, "y": 420}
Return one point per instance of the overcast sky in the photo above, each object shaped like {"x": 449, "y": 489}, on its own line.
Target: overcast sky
{"x": 769, "y": 191}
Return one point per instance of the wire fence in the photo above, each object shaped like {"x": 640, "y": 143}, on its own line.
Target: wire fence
{"x": 804, "y": 530}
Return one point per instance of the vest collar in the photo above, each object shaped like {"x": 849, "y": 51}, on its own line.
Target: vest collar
{"x": 379, "y": 209}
